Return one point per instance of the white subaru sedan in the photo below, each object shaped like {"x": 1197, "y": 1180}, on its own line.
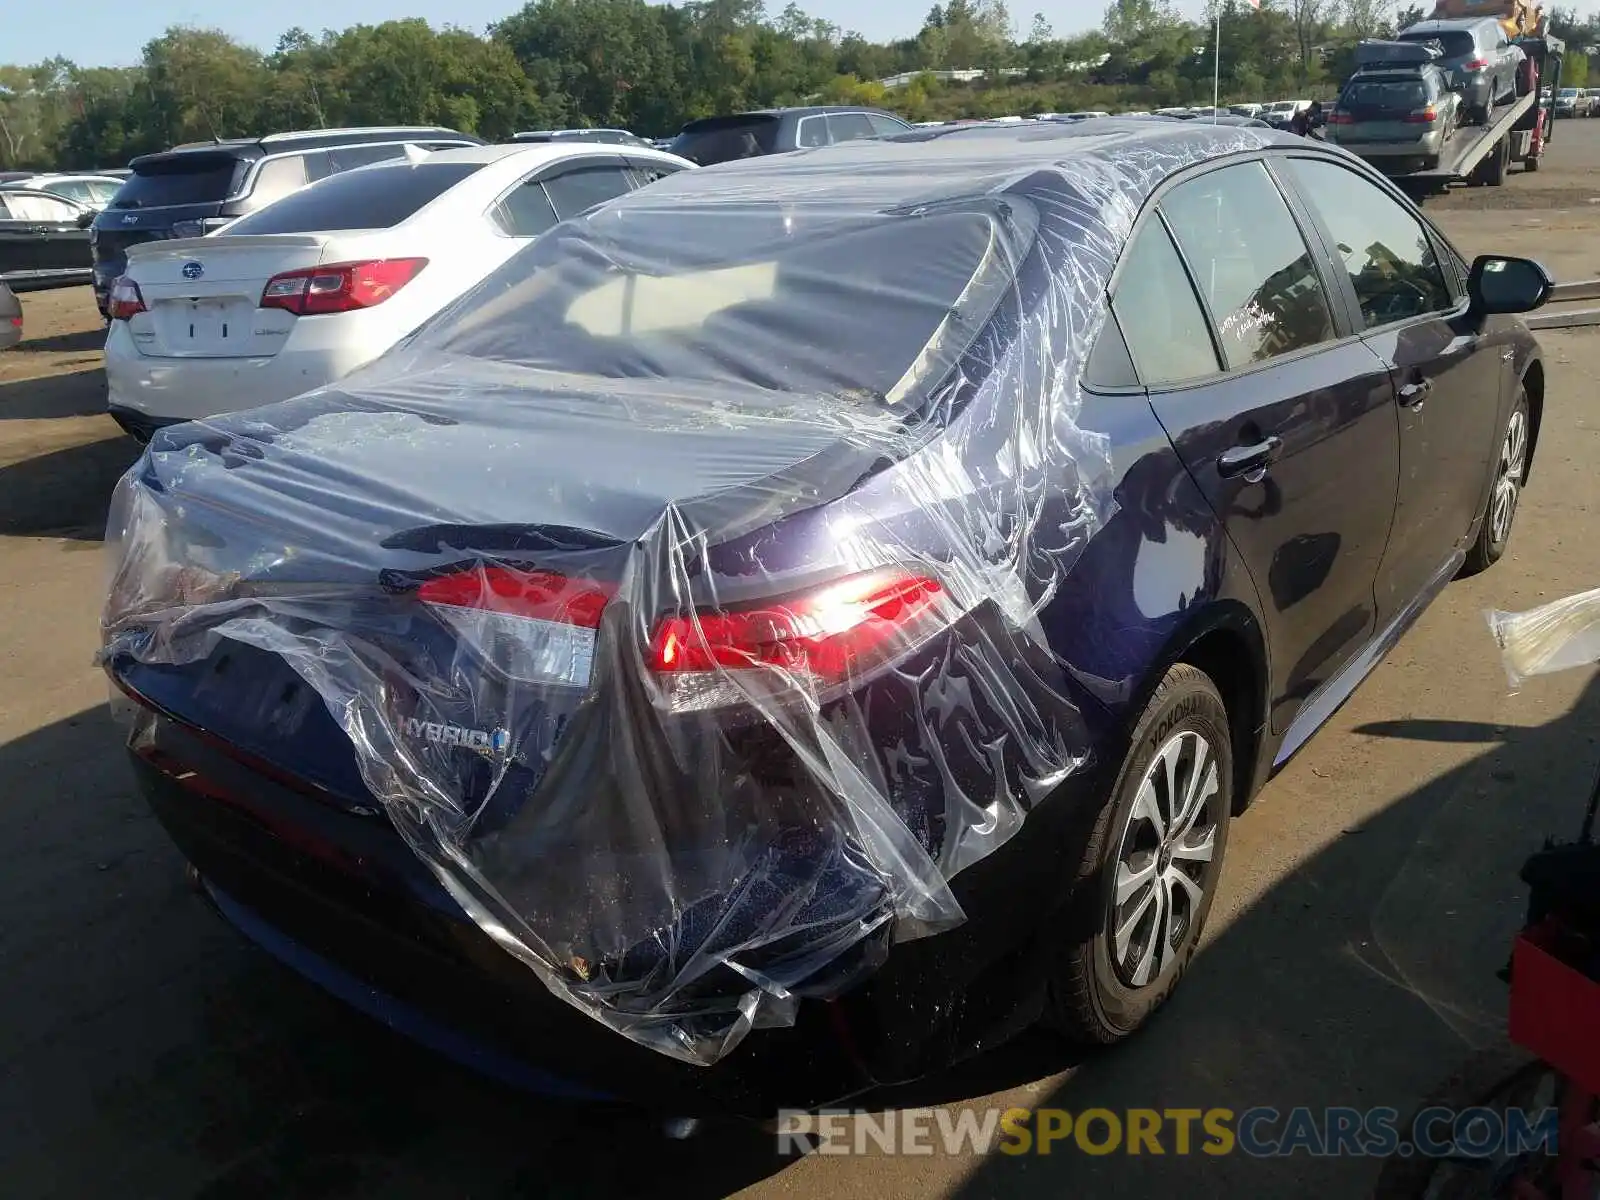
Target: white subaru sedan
{"x": 305, "y": 290}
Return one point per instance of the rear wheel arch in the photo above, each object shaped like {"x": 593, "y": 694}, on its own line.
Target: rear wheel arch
{"x": 1235, "y": 662}
{"x": 1533, "y": 384}
{"x": 1226, "y": 641}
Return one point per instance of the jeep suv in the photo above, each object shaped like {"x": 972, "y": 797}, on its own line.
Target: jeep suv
{"x": 192, "y": 190}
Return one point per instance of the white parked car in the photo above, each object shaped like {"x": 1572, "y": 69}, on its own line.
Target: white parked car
{"x": 310, "y": 287}
{"x": 91, "y": 191}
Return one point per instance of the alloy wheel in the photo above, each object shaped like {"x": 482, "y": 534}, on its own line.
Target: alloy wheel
{"x": 1508, "y": 482}
{"x": 1164, "y": 861}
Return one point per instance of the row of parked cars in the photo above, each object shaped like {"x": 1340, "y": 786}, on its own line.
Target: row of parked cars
{"x": 814, "y": 614}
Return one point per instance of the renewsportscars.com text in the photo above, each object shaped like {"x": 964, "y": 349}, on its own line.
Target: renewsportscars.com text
{"x": 1261, "y": 1132}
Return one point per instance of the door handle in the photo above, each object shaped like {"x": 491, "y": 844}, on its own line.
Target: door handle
{"x": 1414, "y": 393}
{"x": 1249, "y": 461}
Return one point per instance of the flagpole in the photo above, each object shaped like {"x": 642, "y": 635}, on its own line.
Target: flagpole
{"x": 1216, "y": 67}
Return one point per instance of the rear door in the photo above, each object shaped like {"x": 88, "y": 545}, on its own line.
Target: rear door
{"x": 1448, "y": 379}
{"x": 18, "y": 251}
{"x": 1282, "y": 417}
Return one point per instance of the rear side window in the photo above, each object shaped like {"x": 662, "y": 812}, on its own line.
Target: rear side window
{"x": 526, "y": 212}
{"x": 812, "y": 132}
{"x": 1250, "y": 263}
{"x": 725, "y": 139}
{"x": 377, "y": 198}
{"x": 578, "y": 191}
{"x": 182, "y": 179}
{"x": 277, "y": 177}
{"x": 847, "y": 127}
{"x": 886, "y": 126}
{"x": 1159, "y": 315}
{"x": 347, "y": 158}
{"x": 1384, "y": 247}
{"x": 1456, "y": 43}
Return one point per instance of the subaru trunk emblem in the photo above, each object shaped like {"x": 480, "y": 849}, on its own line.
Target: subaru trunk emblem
{"x": 193, "y": 270}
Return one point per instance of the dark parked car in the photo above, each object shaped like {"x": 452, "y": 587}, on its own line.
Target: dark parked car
{"x": 192, "y": 190}
{"x": 1479, "y": 60}
{"x": 819, "y": 621}
{"x": 10, "y": 318}
{"x": 778, "y": 130}
{"x": 44, "y": 239}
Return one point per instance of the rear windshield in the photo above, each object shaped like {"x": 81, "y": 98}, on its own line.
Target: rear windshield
{"x": 1456, "y": 43}
{"x": 375, "y": 197}
{"x": 722, "y": 139}
{"x": 181, "y": 179}
{"x": 865, "y": 309}
{"x": 1387, "y": 95}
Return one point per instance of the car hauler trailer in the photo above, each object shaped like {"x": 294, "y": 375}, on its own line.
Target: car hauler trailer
{"x": 1517, "y": 132}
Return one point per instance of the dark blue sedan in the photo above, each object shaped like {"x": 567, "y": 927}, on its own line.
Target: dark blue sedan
{"x": 816, "y": 616}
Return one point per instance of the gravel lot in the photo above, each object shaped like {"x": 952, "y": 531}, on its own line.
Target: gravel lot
{"x": 1369, "y": 897}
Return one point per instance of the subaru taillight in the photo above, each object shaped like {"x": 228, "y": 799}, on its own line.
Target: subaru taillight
{"x": 537, "y": 626}
{"x": 1422, "y": 116}
{"x": 340, "y": 287}
{"x": 125, "y": 301}
{"x": 811, "y": 641}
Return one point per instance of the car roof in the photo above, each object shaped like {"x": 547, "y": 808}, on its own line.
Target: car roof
{"x": 535, "y": 153}
{"x": 1447, "y": 25}
{"x": 309, "y": 139}
{"x": 920, "y": 165}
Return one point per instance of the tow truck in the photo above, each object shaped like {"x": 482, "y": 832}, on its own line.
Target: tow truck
{"x": 1519, "y": 131}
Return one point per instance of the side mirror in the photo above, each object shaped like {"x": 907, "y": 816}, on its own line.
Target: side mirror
{"x": 86, "y": 218}
{"x": 1498, "y": 284}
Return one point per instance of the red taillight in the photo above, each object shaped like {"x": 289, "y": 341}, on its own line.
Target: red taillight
{"x": 823, "y": 637}
{"x": 1422, "y": 116}
{"x": 339, "y": 287}
{"x": 126, "y": 300}
{"x": 535, "y": 595}
{"x": 1339, "y": 118}
{"x": 1476, "y": 64}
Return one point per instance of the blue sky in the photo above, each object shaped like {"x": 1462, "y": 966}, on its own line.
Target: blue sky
{"x": 111, "y": 32}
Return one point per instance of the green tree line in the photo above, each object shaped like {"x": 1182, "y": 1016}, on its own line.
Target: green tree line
{"x": 650, "y": 67}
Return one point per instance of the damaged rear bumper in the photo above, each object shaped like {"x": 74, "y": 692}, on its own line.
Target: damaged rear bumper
{"x": 341, "y": 899}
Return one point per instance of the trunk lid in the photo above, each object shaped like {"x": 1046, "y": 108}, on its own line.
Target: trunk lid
{"x": 312, "y": 528}
{"x": 203, "y": 295}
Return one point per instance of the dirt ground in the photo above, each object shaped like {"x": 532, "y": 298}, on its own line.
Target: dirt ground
{"x": 145, "y": 1050}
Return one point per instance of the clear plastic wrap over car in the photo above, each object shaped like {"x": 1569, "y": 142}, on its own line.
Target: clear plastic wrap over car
{"x": 677, "y": 588}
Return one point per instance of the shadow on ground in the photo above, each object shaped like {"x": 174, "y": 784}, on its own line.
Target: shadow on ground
{"x": 45, "y": 397}
{"x": 147, "y": 1050}
{"x": 1364, "y": 978}
{"x": 64, "y": 493}
{"x": 84, "y": 339}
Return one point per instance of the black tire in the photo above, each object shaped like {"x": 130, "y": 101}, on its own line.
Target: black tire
{"x": 1493, "y": 534}
{"x": 1495, "y": 166}
{"x": 1091, "y": 998}
{"x": 1531, "y": 163}
{"x": 1502, "y": 1076}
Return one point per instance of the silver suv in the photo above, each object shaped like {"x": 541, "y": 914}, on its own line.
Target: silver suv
{"x": 1479, "y": 60}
